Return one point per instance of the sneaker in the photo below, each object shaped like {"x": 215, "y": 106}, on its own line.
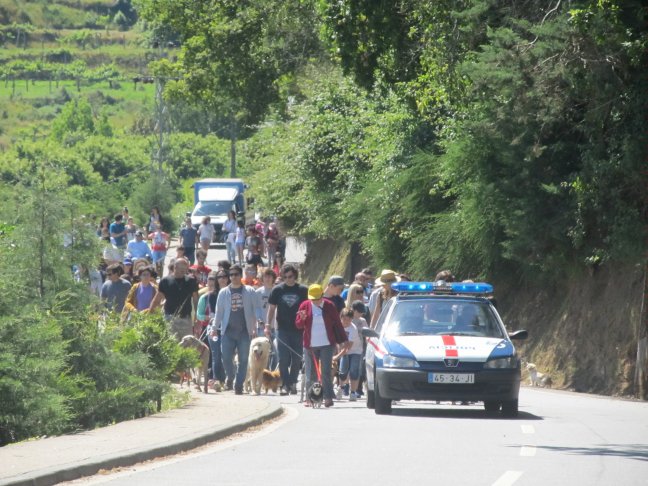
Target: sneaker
{"x": 293, "y": 389}
{"x": 238, "y": 391}
{"x": 229, "y": 384}
{"x": 338, "y": 393}
{"x": 345, "y": 390}
{"x": 284, "y": 391}
{"x": 353, "y": 397}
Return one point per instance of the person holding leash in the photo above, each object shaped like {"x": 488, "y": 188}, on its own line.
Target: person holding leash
{"x": 283, "y": 303}
{"x": 320, "y": 320}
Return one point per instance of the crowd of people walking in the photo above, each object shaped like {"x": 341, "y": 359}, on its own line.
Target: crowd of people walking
{"x": 251, "y": 294}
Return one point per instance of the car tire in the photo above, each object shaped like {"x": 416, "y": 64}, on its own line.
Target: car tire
{"x": 492, "y": 406}
{"x": 510, "y": 408}
{"x": 371, "y": 399}
{"x": 383, "y": 406}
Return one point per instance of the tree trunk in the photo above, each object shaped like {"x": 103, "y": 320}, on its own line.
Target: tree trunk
{"x": 233, "y": 148}
{"x": 641, "y": 367}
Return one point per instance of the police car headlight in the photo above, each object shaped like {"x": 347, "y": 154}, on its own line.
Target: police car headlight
{"x": 499, "y": 363}
{"x": 391, "y": 361}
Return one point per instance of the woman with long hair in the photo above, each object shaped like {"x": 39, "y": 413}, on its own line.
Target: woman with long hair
{"x": 103, "y": 230}
{"x": 206, "y": 233}
{"x": 141, "y": 293}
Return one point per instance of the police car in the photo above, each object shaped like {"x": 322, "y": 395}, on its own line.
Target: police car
{"x": 438, "y": 341}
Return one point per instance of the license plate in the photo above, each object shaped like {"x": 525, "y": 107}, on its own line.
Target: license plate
{"x": 452, "y": 378}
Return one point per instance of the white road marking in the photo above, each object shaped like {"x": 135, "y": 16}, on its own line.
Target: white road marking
{"x": 508, "y": 478}
{"x": 528, "y": 451}
{"x": 290, "y": 414}
{"x": 528, "y": 429}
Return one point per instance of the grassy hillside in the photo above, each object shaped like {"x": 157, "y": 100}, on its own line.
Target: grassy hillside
{"x": 53, "y": 51}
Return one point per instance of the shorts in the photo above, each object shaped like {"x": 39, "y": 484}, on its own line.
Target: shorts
{"x": 158, "y": 255}
{"x": 179, "y": 326}
{"x": 254, "y": 259}
{"x": 350, "y": 365}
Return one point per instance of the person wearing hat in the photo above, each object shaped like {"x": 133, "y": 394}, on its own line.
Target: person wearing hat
{"x": 128, "y": 269}
{"x": 138, "y": 248}
{"x": 381, "y": 294}
{"x": 334, "y": 290}
{"x": 320, "y": 320}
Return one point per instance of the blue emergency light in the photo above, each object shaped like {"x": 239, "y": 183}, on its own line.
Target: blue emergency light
{"x": 454, "y": 287}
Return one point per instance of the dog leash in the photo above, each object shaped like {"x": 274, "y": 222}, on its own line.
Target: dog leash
{"x": 317, "y": 367}
{"x": 289, "y": 348}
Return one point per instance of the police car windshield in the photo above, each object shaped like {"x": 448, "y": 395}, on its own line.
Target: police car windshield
{"x": 439, "y": 316}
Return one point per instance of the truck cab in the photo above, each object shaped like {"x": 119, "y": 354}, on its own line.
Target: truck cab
{"x": 216, "y": 198}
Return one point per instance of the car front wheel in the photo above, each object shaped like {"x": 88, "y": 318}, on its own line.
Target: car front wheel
{"x": 371, "y": 399}
{"x": 383, "y": 406}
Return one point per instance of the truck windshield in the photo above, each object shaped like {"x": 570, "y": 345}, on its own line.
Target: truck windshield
{"x": 213, "y": 208}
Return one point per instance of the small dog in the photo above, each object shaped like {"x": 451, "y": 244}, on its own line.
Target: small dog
{"x": 257, "y": 362}
{"x": 271, "y": 380}
{"x": 315, "y": 395}
{"x": 537, "y": 378}
{"x": 193, "y": 342}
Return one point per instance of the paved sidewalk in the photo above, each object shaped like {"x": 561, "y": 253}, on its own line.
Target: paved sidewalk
{"x": 207, "y": 418}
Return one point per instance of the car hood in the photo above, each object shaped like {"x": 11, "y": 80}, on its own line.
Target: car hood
{"x": 437, "y": 348}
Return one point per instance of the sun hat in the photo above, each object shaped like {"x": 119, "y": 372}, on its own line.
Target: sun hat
{"x": 315, "y": 292}
{"x": 387, "y": 277}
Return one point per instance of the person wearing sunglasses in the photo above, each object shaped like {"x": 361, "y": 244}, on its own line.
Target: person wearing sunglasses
{"x": 284, "y": 301}
{"x": 236, "y": 318}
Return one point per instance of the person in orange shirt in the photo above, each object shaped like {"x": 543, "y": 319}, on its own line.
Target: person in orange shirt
{"x": 250, "y": 277}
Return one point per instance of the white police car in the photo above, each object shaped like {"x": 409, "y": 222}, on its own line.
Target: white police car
{"x": 438, "y": 341}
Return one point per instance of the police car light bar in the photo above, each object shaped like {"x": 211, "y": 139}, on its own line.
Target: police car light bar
{"x": 454, "y": 287}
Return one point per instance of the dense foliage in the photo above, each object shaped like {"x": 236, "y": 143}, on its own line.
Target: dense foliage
{"x": 62, "y": 367}
{"x": 515, "y": 136}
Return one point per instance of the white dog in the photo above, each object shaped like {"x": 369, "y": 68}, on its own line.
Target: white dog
{"x": 257, "y": 362}
{"x": 537, "y": 378}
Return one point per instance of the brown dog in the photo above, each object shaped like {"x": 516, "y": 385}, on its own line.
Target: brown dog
{"x": 271, "y": 380}
{"x": 193, "y": 342}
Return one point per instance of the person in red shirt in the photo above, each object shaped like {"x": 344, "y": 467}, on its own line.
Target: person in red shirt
{"x": 320, "y": 320}
{"x": 200, "y": 270}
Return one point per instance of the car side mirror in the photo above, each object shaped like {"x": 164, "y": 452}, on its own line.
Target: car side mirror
{"x": 519, "y": 335}
{"x": 369, "y": 333}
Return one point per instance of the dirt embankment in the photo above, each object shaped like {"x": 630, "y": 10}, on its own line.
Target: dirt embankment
{"x": 582, "y": 330}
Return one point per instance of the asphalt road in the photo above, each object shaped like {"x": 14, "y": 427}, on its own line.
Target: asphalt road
{"x": 559, "y": 438}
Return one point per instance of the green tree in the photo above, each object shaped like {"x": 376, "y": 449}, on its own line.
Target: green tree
{"x": 231, "y": 60}
{"x": 75, "y": 121}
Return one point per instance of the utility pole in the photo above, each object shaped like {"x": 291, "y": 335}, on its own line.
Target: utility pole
{"x": 161, "y": 125}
